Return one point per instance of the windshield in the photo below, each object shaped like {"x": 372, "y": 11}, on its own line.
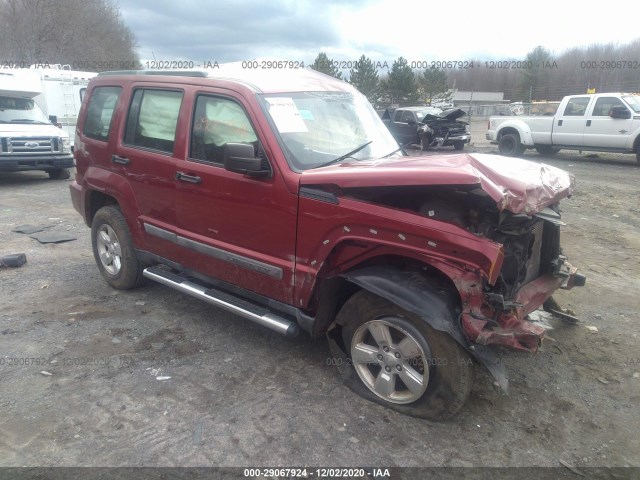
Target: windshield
{"x": 633, "y": 101}
{"x": 318, "y": 127}
{"x": 427, "y": 111}
{"x": 20, "y": 110}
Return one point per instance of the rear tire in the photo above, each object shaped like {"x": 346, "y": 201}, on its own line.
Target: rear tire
{"x": 510, "y": 145}
{"x": 423, "y": 372}
{"x": 113, "y": 249}
{"x": 59, "y": 174}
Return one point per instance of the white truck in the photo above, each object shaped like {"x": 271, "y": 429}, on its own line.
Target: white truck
{"x": 28, "y": 139}
{"x": 603, "y": 122}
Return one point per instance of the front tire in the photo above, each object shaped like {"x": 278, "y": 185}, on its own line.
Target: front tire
{"x": 510, "y": 145}
{"x": 398, "y": 360}
{"x": 458, "y": 145}
{"x": 113, "y": 249}
{"x": 59, "y": 174}
{"x": 425, "y": 143}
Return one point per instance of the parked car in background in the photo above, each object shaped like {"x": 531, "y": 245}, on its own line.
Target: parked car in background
{"x": 428, "y": 126}
{"x": 603, "y": 122}
{"x": 28, "y": 139}
{"x": 283, "y": 198}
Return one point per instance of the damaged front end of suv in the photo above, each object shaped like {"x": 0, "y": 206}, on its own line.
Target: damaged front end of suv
{"x": 488, "y": 225}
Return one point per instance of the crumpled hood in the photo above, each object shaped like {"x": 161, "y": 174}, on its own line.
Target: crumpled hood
{"x": 451, "y": 114}
{"x": 514, "y": 184}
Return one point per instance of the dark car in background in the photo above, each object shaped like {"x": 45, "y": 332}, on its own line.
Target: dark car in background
{"x": 428, "y": 126}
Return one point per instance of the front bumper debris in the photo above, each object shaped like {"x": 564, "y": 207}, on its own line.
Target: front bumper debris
{"x": 510, "y": 327}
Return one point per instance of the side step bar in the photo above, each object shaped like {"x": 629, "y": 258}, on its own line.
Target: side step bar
{"x": 224, "y": 300}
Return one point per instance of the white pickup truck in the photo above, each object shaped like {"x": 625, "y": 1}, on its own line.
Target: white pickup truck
{"x": 603, "y": 122}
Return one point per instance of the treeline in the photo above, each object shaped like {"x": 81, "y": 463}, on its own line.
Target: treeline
{"x": 538, "y": 76}
{"x": 87, "y": 34}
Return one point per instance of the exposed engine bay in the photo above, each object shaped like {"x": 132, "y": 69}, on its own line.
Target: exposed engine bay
{"x": 443, "y": 129}
{"x": 531, "y": 243}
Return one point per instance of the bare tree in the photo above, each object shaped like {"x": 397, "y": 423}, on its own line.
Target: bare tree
{"x": 89, "y": 33}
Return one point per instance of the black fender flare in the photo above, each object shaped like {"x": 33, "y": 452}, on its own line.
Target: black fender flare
{"x": 405, "y": 289}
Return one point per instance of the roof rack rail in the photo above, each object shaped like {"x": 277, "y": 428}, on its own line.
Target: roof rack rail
{"x": 175, "y": 73}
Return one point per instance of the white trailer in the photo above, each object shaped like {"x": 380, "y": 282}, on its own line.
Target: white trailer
{"x": 62, "y": 92}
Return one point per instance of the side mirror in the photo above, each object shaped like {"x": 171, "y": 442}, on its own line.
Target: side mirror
{"x": 620, "y": 112}
{"x": 240, "y": 158}
{"x": 54, "y": 121}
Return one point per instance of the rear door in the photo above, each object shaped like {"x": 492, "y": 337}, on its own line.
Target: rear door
{"x": 570, "y": 123}
{"x": 603, "y": 131}
{"x": 234, "y": 227}
{"x": 146, "y": 158}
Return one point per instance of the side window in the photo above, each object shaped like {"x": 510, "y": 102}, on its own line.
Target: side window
{"x": 604, "y": 105}
{"x": 100, "y": 112}
{"x": 408, "y": 115}
{"x": 152, "y": 119}
{"x": 398, "y": 116}
{"x": 216, "y": 122}
{"x": 576, "y": 106}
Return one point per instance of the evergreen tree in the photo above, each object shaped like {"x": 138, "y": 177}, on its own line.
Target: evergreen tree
{"x": 326, "y": 65}
{"x": 365, "y": 78}
{"x": 433, "y": 85}
{"x": 401, "y": 82}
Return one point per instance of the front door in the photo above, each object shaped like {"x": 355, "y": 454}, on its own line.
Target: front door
{"x": 604, "y": 131}
{"x": 233, "y": 227}
{"x": 405, "y": 132}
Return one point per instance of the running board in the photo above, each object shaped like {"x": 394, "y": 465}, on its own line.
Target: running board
{"x": 223, "y": 300}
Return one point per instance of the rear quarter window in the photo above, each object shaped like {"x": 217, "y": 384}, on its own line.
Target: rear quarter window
{"x": 102, "y": 103}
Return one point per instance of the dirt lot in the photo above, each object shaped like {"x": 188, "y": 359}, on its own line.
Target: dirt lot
{"x": 240, "y": 395}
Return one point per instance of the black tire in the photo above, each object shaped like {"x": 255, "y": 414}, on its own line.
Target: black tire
{"x": 59, "y": 174}
{"x": 458, "y": 145}
{"x": 546, "y": 150}
{"x": 425, "y": 143}
{"x": 638, "y": 155}
{"x": 450, "y": 369}
{"x": 510, "y": 145}
{"x": 127, "y": 272}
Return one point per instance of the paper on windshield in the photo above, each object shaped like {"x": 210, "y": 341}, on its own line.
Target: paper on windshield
{"x": 286, "y": 116}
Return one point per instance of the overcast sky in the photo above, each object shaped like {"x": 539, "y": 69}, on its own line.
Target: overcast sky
{"x": 383, "y": 30}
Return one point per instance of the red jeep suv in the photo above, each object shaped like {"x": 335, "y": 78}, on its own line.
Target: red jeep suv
{"x": 282, "y": 197}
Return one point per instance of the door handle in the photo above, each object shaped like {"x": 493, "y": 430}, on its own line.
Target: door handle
{"x": 120, "y": 160}
{"x": 588, "y": 123}
{"x": 188, "y": 178}
{"x": 559, "y": 123}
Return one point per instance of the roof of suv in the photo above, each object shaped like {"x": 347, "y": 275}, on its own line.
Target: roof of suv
{"x": 258, "y": 79}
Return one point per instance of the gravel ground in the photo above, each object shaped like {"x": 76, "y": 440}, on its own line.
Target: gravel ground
{"x": 240, "y": 395}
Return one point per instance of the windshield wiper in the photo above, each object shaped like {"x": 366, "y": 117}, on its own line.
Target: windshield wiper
{"x": 346, "y": 155}
{"x": 399, "y": 149}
